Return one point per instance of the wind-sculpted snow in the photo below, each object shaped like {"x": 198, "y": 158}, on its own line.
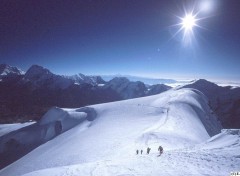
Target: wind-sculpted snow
{"x": 179, "y": 120}
{"x": 187, "y": 116}
{"x": 7, "y": 128}
{"x": 52, "y": 124}
{"x": 91, "y": 113}
{"x": 228, "y": 138}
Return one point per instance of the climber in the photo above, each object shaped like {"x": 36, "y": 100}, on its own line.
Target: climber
{"x": 148, "y": 150}
{"x": 160, "y": 149}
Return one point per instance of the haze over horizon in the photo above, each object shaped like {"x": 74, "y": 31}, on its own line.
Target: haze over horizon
{"x": 140, "y": 38}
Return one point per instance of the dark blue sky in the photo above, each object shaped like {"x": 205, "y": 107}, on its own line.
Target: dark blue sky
{"x": 121, "y": 36}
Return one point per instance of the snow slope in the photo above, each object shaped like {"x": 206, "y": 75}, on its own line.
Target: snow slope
{"x": 7, "y": 128}
{"x": 179, "y": 120}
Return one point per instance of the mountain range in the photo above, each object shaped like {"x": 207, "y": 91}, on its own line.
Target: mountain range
{"x": 27, "y": 96}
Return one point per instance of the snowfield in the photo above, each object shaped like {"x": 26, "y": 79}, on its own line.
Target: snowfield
{"x": 105, "y": 141}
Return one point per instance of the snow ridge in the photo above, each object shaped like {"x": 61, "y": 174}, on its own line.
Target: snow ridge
{"x": 225, "y": 101}
{"x": 179, "y": 120}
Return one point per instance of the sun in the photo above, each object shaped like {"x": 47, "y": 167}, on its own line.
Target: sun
{"x": 188, "y": 22}
{"x": 186, "y": 27}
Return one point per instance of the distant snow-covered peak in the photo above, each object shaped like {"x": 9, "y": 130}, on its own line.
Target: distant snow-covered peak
{"x": 10, "y": 70}
{"x": 81, "y": 78}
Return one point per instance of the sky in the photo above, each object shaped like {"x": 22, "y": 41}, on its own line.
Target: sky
{"x": 129, "y": 37}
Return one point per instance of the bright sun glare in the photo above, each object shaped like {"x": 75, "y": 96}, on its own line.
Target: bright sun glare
{"x": 188, "y": 22}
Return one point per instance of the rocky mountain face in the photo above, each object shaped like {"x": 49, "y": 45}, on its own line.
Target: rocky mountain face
{"x": 40, "y": 77}
{"x": 28, "y": 96}
{"x": 154, "y": 89}
{"x": 127, "y": 89}
{"x": 224, "y": 101}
